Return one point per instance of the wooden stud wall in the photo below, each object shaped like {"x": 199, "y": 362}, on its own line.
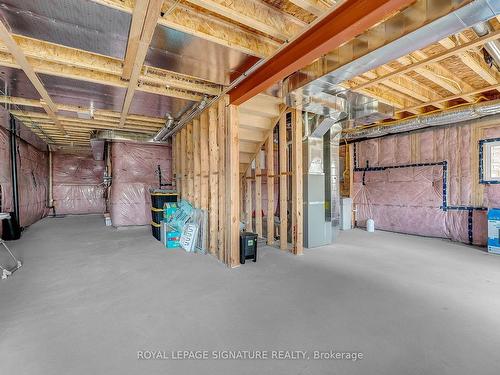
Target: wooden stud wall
{"x": 202, "y": 165}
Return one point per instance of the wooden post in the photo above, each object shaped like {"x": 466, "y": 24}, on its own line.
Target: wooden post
{"x": 204, "y": 160}
{"x": 232, "y": 186}
{"x": 173, "y": 153}
{"x": 178, "y": 157}
{"x": 196, "y": 163}
{"x": 183, "y": 173}
{"x": 189, "y": 155}
{"x": 283, "y": 187}
{"x": 248, "y": 204}
{"x": 222, "y": 141}
{"x": 297, "y": 176}
{"x": 258, "y": 196}
{"x": 214, "y": 180}
{"x": 270, "y": 189}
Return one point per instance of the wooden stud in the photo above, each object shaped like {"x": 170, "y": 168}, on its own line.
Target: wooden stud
{"x": 204, "y": 161}
{"x": 183, "y": 161}
{"x": 270, "y": 189}
{"x": 232, "y": 187}
{"x": 258, "y": 196}
{"x": 190, "y": 163}
{"x": 223, "y": 201}
{"x": 196, "y": 164}
{"x": 248, "y": 202}
{"x": 283, "y": 183}
{"x": 214, "y": 179}
{"x": 297, "y": 177}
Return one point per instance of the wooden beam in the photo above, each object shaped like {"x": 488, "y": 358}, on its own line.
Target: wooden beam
{"x": 283, "y": 183}
{"x": 256, "y": 15}
{"x": 184, "y": 18}
{"x": 18, "y": 55}
{"x": 270, "y": 189}
{"x": 213, "y": 151}
{"x": 258, "y": 196}
{"x": 134, "y": 36}
{"x": 232, "y": 187}
{"x": 297, "y": 183}
{"x": 148, "y": 23}
{"x": 343, "y": 23}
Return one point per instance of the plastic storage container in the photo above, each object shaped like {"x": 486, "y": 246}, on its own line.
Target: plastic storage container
{"x": 494, "y": 231}
{"x": 156, "y": 230}
{"x": 248, "y": 246}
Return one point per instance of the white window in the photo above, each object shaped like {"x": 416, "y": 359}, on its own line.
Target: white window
{"x": 492, "y": 161}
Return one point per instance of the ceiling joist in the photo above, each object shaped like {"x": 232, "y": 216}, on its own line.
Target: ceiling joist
{"x": 187, "y": 19}
{"x": 18, "y": 55}
{"x": 144, "y": 20}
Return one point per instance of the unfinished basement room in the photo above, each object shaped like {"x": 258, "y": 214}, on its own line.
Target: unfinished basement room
{"x": 250, "y": 187}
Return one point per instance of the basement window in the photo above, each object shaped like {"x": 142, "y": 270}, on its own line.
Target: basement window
{"x": 490, "y": 150}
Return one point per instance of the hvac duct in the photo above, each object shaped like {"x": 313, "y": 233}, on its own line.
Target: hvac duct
{"x": 493, "y": 47}
{"x": 122, "y": 136}
{"x": 160, "y": 136}
{"x": 335, "y": 68}
{"x": 457, "y": 115}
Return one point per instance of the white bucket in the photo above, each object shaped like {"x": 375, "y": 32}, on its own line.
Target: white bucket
{"x": 370, "y": 225}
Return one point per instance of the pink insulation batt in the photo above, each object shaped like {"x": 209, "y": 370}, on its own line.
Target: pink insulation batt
{"x": 33, "y": 174}
{"x": 77, "y": 180}
{"x": 134, "y": 169}
{"x": 409, "y": 200}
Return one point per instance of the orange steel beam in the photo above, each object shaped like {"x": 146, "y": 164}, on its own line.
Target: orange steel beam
{"x": 342, "y": 24}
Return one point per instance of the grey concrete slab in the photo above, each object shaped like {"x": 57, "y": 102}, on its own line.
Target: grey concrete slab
{"x": 88, "y": 298}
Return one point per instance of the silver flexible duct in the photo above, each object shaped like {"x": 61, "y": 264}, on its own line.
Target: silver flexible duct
{"x": 457, "y": 115}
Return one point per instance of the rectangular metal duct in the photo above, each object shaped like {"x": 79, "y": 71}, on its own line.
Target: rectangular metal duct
{"x": 97, "y": 146}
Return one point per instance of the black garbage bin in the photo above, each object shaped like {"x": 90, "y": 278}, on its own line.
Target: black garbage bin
{"x": 248, "y": 246}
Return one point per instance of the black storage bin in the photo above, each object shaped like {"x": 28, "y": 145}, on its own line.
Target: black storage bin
{"x": 156, "y": 230}
{"x": 157, "y": 215}
{"x": 248, "y": 246}
{"x": 10, "y": 229}
{"x": 160, "y": 197}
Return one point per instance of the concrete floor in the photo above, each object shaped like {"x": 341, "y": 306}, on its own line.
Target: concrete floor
{"x": 89, "y": 298}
